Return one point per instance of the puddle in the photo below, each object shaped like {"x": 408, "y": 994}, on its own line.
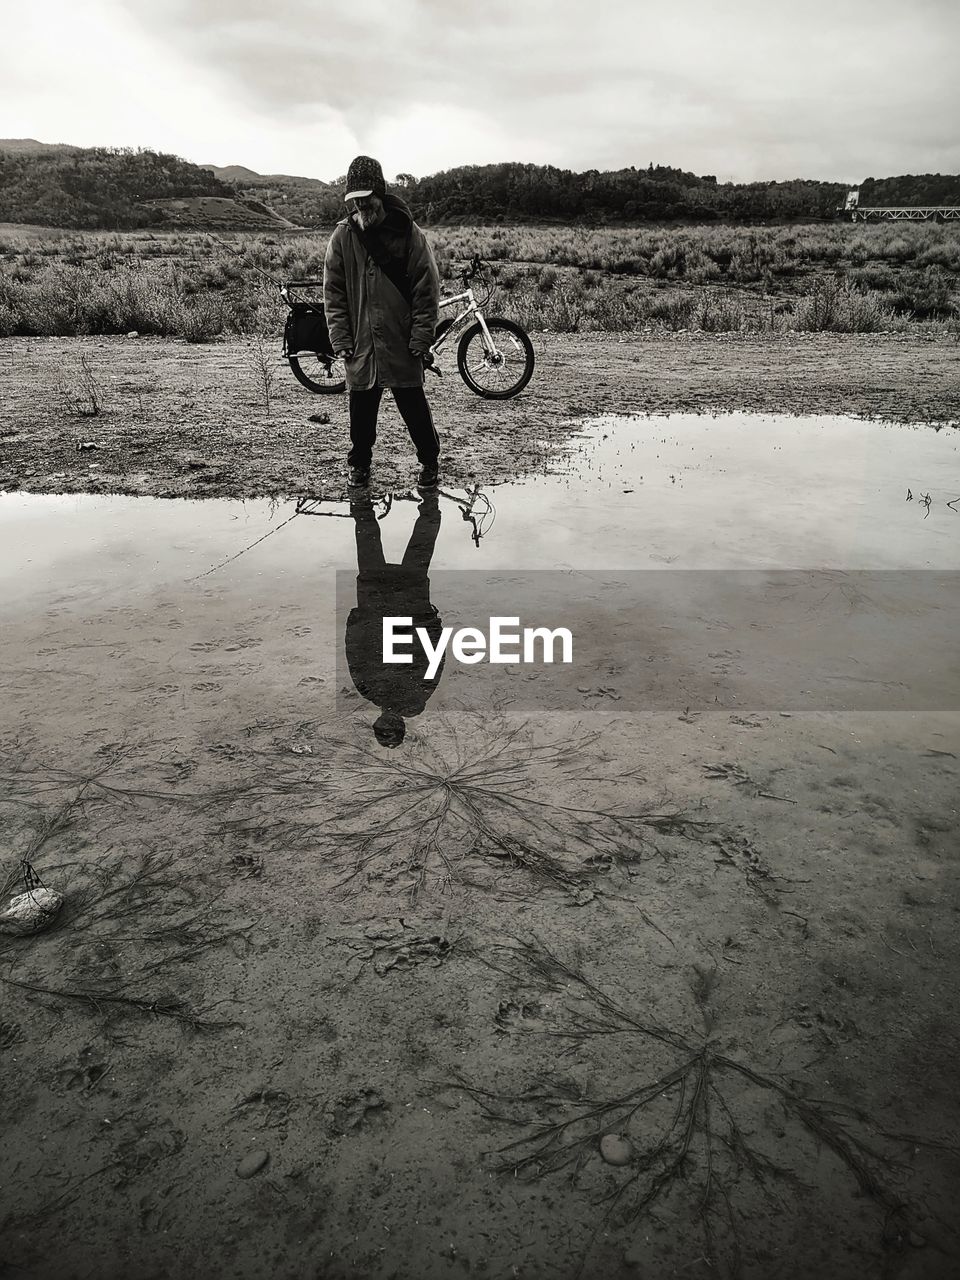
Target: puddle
{"x": 125, "y": 609}
{"x": 236, "y": 853}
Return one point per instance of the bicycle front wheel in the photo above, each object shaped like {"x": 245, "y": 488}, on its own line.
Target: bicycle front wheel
{"x": 500, "y": 371}
{"x": 318, "y": 372}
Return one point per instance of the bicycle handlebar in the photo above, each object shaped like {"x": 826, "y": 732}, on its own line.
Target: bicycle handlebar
{"x": 474, "y": 269}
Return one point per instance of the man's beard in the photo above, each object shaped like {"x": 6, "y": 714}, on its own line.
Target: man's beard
{"x": 368, "y": 220}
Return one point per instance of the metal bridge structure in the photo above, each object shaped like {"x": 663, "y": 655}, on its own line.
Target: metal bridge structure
{"x": 854, "y": 211}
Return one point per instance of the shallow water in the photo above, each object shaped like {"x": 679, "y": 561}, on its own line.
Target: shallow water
{"x": 736, "y": 491}
{"x": 186, "y": 654}
{"x": 134, "y": 605}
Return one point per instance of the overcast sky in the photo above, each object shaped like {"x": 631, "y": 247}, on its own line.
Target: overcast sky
{"x": 747, "y": 89}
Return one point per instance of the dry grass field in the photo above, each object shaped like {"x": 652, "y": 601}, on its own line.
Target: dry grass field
{"x": 197, "y": 286}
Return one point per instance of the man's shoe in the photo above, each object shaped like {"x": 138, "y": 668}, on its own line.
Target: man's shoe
{"x": 429, "y": 478}
{"x": 359, "y": 477}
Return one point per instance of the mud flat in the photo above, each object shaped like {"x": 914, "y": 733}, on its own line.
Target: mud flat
{"x": 179, "y": 420}
{"x": 550, "y": 990}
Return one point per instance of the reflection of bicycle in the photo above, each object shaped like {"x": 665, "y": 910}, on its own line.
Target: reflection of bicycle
{"x": 476, "y": 509}
{"x": 495, "y": 357}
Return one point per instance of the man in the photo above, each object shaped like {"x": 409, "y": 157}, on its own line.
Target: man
{"x": 381, "y": 291}
{"x": 392, "y": 591}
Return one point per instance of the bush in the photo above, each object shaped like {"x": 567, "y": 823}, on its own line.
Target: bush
{"x": 837, "y": 308}
{"x": 200, "y": 320}
{"x": 927, "y": 296}
{"x": 547, "y": 279}
{"x": 674, "y": 312}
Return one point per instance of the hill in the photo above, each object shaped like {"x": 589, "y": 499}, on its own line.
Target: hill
{"x": 239, "y": 174}
{"x": 306, "y": 202}
{"x": 80, "y": 187}
{"x": 219, "y": 213}
{"x": 30, "y": 146}
{"x": 96, "y": 186}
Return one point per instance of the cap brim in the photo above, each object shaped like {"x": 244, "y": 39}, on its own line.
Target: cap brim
{"x": 358, "y": 195}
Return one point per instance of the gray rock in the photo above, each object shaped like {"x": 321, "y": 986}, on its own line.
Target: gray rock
{"x": 252, "y": 1163}
{"x": 616, "y": 1149}
{"x": 31, "y": 911}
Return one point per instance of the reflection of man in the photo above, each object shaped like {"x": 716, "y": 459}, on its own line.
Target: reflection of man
{"x": 392, "y": 591}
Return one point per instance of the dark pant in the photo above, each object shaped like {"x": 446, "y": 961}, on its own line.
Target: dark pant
{"x": 412, "y": 403}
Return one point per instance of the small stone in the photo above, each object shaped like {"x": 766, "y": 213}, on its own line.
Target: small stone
{"x": 917, "y": 1241}
{"x": 252, "y": 1163}
{"x": 31, "y": 911}
{"x": 133, "y": 334}
{"x": 616, "y": 1149}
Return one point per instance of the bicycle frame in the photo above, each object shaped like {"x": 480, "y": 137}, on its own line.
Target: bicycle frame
{"x": 479, "y": 521}
{"x": 471, "y": 309}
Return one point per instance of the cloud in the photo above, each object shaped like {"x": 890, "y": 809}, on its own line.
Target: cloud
{"x": 747, "y": 90}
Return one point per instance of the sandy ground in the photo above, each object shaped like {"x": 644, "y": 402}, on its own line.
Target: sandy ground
{"x": 179, "y": 420}
{"x": 317, "y": 1011}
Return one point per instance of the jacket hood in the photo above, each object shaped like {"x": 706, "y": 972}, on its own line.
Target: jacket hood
{"x": 397, "y": 207}
{"x": 398, "y": 216}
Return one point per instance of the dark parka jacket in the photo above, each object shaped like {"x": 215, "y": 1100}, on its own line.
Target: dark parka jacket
{"x": 366, "y": 313}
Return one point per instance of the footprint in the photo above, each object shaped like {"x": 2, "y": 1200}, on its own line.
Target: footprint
{"x": 247, "y": 642}
{"x": 353, "y": 1111}
{"x": 514, "y": 1016}
{"x": 83, "y": 1074}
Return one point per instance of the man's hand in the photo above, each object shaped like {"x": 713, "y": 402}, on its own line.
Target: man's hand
{"x": 420, "y": 353}
{"x": 344, "y": 355}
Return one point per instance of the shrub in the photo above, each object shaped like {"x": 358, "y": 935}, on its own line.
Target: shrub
{"x": 927, "y": 296}
{"x": 719, "y": 314}
{"x": 877, "y": 276}
{"x": 674, "y": 312}
{"x": 547, "y": 279}
{"x": 200, "y": 320}
{"x": 838, "y": 308}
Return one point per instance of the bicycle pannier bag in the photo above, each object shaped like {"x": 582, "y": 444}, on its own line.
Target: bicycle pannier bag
{"x": 306, "y": 330}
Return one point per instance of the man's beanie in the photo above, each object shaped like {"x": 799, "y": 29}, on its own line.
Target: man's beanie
{"x": 364, "y": 178}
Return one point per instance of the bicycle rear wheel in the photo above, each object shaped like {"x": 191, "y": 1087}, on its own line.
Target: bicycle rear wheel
{"x": 317, "y": 371}
{"x": 500, "y": 372}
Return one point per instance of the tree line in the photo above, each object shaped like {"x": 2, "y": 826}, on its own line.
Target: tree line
{"x": 911, "y": 189}
{"x": 106, "y": 187}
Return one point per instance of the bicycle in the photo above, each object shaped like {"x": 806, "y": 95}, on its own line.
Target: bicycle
{"x": 495, "y": 356}
{"x": 476, "y": 508}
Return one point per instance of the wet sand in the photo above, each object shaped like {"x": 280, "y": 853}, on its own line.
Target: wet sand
{"x": 358, "y": 975}
{"x": 180, "y": 420}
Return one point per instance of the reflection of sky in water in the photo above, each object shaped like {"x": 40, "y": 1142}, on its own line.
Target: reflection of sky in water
{"x": 736, "y": 491}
